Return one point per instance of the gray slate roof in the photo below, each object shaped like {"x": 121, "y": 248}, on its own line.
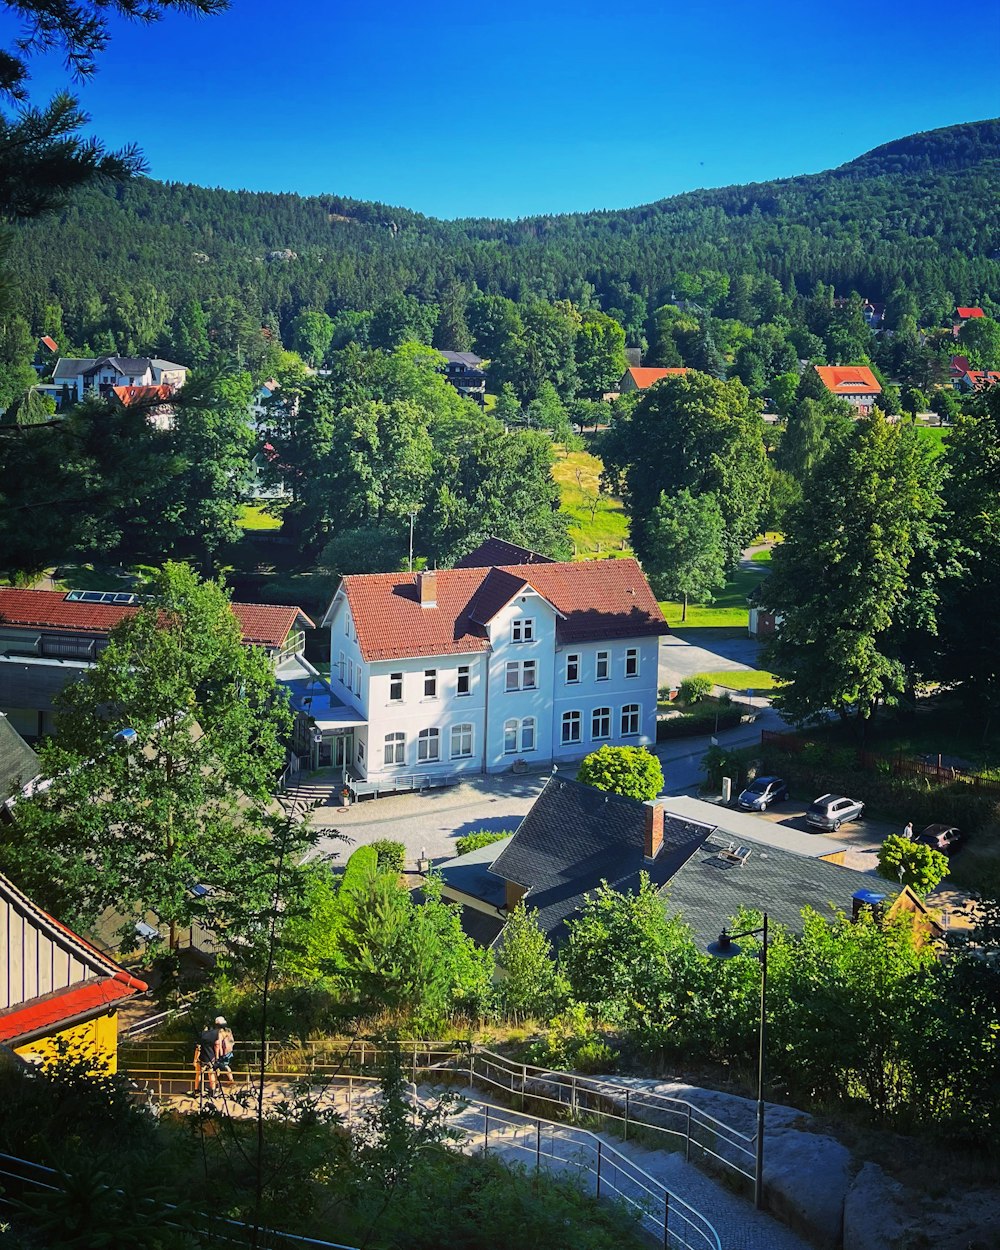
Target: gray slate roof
{"x": 492, "y": 552}
{"x": 470, "y": 873}
{"x": 708, "y": 890}
{"x": 575, "y": 837}
{"x": 463, "y": 358}
{"x": 18, "y": 762}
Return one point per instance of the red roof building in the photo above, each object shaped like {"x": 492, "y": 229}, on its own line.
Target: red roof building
{"x": 55, "y": 985}
{"x": 966, "y": 314}
{"x": 640, "y": 379}
{"x": 855, "y": 383}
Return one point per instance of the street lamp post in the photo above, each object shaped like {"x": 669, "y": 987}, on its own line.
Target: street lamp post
{"x": 726, "y": 948}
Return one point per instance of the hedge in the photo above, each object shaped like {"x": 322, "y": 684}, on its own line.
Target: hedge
{"x": 361, "y": 864}
{"x": 391, "y": 855}
{"x": 482, "y": 837}
{"x": 902, "y": 798}
{"x": 699, "y": 723}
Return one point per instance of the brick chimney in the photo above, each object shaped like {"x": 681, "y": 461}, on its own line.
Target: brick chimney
{"x": 427, "y": 588}
{"x": 654, "y": 830}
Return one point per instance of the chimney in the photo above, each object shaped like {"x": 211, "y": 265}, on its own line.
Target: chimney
{"x": 653, "y": 837}
{"x": 427, "y": 588}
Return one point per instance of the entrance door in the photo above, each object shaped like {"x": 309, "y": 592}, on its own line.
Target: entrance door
{"x": 342, "y": 751}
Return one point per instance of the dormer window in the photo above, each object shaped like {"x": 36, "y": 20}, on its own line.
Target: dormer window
{"x": 522, "y": 629}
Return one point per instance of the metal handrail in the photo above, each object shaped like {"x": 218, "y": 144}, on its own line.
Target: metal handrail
{"x": 611, "y": 1171}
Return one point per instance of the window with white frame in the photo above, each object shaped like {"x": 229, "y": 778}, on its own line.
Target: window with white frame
{"x": 632, "y": 662}
{"x": 602, "y": 669}
{"x": 571, "y": 727}
{"x": 529, "y": 675}
{"x": 464, "y": 680}
{"x": 600, "y": 723}
{"x": 630, "y": 720}
{"x": 361, "y": 752}
{"x": 395, "y": 748}
{"x": 521, "y": 675}
{"x": 461, "y": 742}
{"x": 518, "y": 735}
{"x": 349, "y": 683}
{"x": 357, "y": 679}
{"x": 430, "y": 683}
{"x": 522, "y": 629}
{"x": 572, "y": 669}
{"x": 395, "y": 687}
{"x": 341, "y": 668}
{"x": 428, "y": 745}
{"x": 347, "y": 624}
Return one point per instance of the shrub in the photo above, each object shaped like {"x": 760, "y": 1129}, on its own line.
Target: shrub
{"x": 482, "y": 837}
{"x": 596, "y": 1056}
{"x": 697, "y": 724}
{"x": 694, "y": 689}
{"x": 911, "y": 863}
{"x": 391, "y": 855}
{"x": 630, "y": 771}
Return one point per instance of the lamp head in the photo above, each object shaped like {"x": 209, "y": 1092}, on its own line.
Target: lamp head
{"x": 724, "y": 947}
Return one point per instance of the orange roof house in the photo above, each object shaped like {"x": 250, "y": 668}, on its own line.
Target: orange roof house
{"x": 55, "y": 986}
{"x": 855, "y": 383}
{"x": 966, "y": 314}
{"x": 640, "y": 379}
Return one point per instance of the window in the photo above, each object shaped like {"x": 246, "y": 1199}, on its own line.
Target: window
{"x": 361, "y": 752}
{"x": 350, "y": 673}
{"x": 461, "y": 742}
{"x": 347, "y": 624}
{"x": 630, "y": 720}
{"x": 603, "y": 670}
{"x": 357, "y": 679}
{"x": 428, "y": 745}
{"x": 600, "y": 723}
{"x": 632, "y": 662}
{"x": 519, "y": 735}
{"x": 522, "y": 629}
{"x": 395, "y": 748}
{"x": 395, "y": 687}
{"x": 430, "y": 683}
{"x": 572, "y": 669}
{"x": 521, "y": 675}
{"x": 341, "y": 668}
{"x": 571, "y": 731}
{"x": 464, "y": 679}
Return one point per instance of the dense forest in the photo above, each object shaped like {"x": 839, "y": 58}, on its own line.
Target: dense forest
{"x": 917, "y": 215}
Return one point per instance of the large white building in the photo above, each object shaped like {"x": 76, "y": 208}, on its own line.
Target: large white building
{"x": 501, "y": 659}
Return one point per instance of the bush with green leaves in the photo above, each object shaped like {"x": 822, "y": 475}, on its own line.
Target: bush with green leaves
{"x": 632, "y": 772}
{"x": 698, "y": 724}
{"x": 911, "y": 863}
{"x": 530, "y": 986}
{"x": 391, "y": 855}
{"x": 482, "y": 837}
{"x": 694, "y": 689}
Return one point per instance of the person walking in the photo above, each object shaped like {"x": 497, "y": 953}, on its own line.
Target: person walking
{"x": 227, "y": 1044}
{"x": 908, "y": 831}
{"x": 206, "y": 1054}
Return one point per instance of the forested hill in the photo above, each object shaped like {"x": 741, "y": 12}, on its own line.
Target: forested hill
{"x": 919, "y": 213}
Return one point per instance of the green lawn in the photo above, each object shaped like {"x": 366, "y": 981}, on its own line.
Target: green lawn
{"x": 761, "y": 557}
{"x": 597, "y": 522}
{"x": 255, "y": 518}
{"x": 933, "y": 434}
{"x": 729, "y": 609}
{"x": 755, "y": 679}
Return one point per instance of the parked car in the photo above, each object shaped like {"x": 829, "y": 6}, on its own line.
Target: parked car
{"x": 761, "y": 793}
{"x": 830, "y": 811}
{"x": 945, "y": 838}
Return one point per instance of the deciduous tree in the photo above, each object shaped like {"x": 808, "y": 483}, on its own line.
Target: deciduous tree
{"x": 687, "y": 557}
{"x": 632, "y": 772}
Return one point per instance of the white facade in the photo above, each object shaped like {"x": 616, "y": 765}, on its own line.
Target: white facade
{"x": 525, "y": 697}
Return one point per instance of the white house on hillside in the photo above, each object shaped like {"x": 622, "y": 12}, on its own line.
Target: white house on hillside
{"x": 101, "y": 374}
{"x": 470, "y": 669}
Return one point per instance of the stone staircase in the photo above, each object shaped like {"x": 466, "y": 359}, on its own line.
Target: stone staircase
{"x": 312, "y": 790}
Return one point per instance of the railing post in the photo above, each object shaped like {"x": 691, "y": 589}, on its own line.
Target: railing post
{"x": 626, "y": 1114}
{"x": 572, "y": 1096}
{"x": 350, "y": 1100}
{"x": 472, "y": 1062}
{"x": 666, "y": 1221}
{"x": 599, "y": 1157}
{"x": 362, "y": 1056}
{"x": 538, "y": 1146}
{"x": 524, "y": 1081}
{"x": 687, "y": 1136}
{"x": 486, "y": 1127}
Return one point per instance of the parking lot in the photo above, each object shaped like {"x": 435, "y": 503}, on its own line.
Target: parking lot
{"x": 861, "y": 838}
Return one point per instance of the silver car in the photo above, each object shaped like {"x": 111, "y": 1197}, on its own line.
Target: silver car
{"x": 830, "y": 811}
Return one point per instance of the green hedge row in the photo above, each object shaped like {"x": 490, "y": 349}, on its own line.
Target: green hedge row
{"x": 693, "y": 726}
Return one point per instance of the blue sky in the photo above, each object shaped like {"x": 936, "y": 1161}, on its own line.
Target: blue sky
{"x": 519, "y": 108}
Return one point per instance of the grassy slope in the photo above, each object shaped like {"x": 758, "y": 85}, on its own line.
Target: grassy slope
{"x": 577, "y": 474}
{"x": 255, "y": 518}
{"x": 728, "y": 610}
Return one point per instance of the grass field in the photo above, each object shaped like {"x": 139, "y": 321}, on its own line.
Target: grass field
{"x": 728, "y": 610}
{"x": 593, "y": 529}
{"x": 255, "y": 518}
{"x": 933, "y": 434}
{"x": 761, "y": 557}
{"x": 755, "y": 679}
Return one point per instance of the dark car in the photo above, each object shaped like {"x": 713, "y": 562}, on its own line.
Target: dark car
{"x": 830, "y": 811}
{"x": 945, "y": 838}
{"x": 761, "y": 793}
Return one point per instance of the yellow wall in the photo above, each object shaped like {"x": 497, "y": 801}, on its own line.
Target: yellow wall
{"x": 97, "y": 1037}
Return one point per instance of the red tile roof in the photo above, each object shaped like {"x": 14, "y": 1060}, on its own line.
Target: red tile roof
{"x": 960, "y": 365}
{"x": 598, "y": 599}
{"x": 644, "y": 377}
{"x": 966, "y": 313}
{"x": 262, "y": 624}
{"x": 848, "y": 379}
{"x": 982, "y": 377}
{"x": 50, "y": 343}
{"x": 143, "y": 394}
